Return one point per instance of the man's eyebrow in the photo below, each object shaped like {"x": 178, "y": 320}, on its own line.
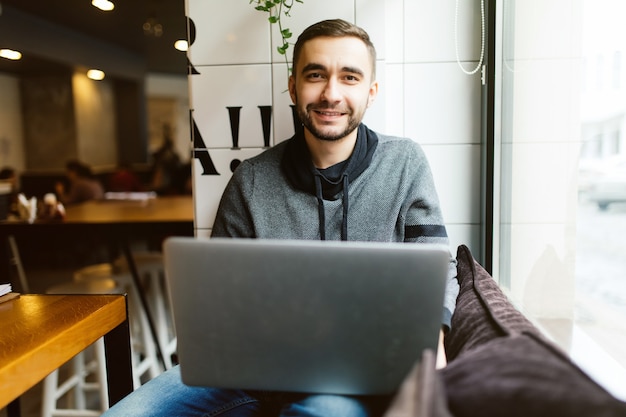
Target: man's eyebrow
{"x": 353, "y": 70}
{"x": 317, "y": 67}
{"x": 313, "y": 67}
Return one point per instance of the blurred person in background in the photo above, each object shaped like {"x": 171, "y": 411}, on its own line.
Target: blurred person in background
{"x": 83, "y": 186}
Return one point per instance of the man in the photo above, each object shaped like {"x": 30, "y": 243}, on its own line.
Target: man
{"x": 335, "y": 179}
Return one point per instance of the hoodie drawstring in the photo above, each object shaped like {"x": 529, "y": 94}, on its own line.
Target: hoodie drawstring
{"x": 345, "y": 202}
{"x": 320, "y": 206}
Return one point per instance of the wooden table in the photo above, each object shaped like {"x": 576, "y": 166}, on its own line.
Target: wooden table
{"x": 39, "y": 333}
{"x": 174, "y": 211}
{"x": 118, "y": 222}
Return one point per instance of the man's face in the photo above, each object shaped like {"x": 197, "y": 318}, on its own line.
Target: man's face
{"x": 332, "y": 86}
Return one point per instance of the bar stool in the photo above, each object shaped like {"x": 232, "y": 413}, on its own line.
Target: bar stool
{"x": 143, "y": 350}
{"x": 149, "y": 264}
{"x": 77, "y": 384}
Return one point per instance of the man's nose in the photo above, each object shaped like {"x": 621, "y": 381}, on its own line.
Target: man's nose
{"x": 332, "y": 91}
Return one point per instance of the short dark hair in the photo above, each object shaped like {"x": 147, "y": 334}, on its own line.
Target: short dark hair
{"x": 81, "y": 169}
{"x": 335, "y": 28}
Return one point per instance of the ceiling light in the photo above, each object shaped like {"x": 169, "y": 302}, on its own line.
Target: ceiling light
{"x": 10, "y": 54}
{"x": 181, "y": 45}
{"x": 95, "y": 74}
{"x": 104, "y": 5}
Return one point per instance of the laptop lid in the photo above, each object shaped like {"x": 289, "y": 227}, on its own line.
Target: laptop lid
{"x": 306, "y": 316}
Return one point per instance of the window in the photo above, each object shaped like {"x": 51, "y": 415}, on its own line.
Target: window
{"x": 559, "y": 250}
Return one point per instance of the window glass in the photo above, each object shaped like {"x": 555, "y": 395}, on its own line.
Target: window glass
{"x": 561, "y": 252}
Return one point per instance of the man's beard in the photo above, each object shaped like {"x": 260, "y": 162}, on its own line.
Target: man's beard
{"x": 304, "y": 115}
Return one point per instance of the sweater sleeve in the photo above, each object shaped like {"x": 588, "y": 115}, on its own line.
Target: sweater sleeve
{"x": 424, "y": 223}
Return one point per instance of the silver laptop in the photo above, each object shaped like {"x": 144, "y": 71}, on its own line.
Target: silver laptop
{"x": 306, "y": 316}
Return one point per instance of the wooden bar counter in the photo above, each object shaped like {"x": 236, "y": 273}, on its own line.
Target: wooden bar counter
{"x": 39, "y": 333}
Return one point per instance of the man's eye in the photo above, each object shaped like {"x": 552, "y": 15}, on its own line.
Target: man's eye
{"x": 314, "y": 75}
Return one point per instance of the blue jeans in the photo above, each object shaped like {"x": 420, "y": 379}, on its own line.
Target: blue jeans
{"x": 166, "y": 395}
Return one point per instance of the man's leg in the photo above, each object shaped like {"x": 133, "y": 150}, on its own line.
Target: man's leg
{"x": 166, "y": 395}
{"x": 335, "y": 405}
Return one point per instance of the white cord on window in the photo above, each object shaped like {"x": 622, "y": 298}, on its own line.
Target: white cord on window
{"x": 482, "y": 37}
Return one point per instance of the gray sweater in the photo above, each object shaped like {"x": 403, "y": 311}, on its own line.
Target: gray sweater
{"x": 392, "y": 200}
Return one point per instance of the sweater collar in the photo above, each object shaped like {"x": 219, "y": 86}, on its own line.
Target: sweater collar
{"x": 327, "y": 184}
{"x": 297, "y": 164}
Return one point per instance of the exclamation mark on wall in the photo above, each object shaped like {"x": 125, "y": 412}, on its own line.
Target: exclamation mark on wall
{"x": 233, "y": 114}
{"x": 266, "y": 121}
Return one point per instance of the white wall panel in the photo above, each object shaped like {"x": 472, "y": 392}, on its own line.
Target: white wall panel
{"x": 216, "y": 89}
{"x": 375, "y": 115}
{"x": 207, "y": 189}
{"x": 228, "y": 32}
{"x": 456, "y": 170}
{"x": 429, "y": 31}
{"x": 283, "y": 117}
{"x": 370, "y": 15}
{"x": 442, "y": 104}
{"x": 394, "y": 31}
{"x": 464, "y": 234}
{"x": 392, "y": 90}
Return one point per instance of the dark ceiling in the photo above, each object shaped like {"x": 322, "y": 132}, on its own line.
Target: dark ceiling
{"x": 122, "y": 27}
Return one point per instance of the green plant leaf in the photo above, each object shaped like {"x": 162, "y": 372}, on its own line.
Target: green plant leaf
{"x": 283, "y": 49}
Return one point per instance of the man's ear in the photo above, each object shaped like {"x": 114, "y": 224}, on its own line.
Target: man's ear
{"x": 292, "y": 88}
{"x": 372, "y": 93}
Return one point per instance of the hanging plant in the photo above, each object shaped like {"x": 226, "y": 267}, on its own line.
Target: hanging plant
{"x": 276, "y": 10}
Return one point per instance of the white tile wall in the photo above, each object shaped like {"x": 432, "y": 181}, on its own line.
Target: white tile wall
{"x": 283, "y": 119}
{"x": 429, "y": 31}
{"x": 391, "y": 96}
{"x": 369, "y": 14}
{"x": 442, "y": 104}
{"x": 228, "y": 33}
{"x": 394, "y": 31}
{"x": 456, "y": 171}
{"x": 207, "y": 189}
{"x": 218, "y": 87}
{"x": 464, "y": 234}
{"x": 375, "y": 117}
